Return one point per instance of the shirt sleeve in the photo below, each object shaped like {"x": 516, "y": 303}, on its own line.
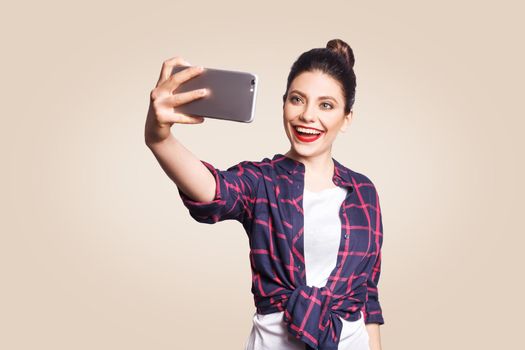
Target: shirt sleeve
{"x": 235, "y": 194}
{"x": 373, "y": 311}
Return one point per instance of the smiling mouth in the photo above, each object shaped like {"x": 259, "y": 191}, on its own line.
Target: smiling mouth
{"x": 306, "y": 135}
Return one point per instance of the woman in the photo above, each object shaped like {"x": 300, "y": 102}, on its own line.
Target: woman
{"x": 314, "y": 225}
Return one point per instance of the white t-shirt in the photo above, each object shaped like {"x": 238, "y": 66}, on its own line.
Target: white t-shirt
{"x": 322, "y": 235}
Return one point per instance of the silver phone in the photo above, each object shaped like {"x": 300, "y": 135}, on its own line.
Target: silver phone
{"x": 232, "y": 94}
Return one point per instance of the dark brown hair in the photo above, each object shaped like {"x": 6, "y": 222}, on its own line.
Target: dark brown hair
{"x": 336, "y": 60}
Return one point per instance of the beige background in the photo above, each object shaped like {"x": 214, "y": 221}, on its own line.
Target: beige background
{"x": 97, "y": 250}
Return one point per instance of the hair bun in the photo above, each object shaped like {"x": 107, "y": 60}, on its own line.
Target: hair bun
{"x": 342, "y": 49}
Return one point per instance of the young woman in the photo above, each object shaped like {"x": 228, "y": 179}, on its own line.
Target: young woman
{"x": 314, "y": 225}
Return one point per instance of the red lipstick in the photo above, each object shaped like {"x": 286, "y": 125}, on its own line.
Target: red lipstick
{"x": 306, "y": 138}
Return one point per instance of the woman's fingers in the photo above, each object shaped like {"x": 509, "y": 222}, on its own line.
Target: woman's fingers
{"x": 171, "y": 117}
{"x": 166, "y": 115}
{"x": 188, "y": 118}
{"x": 167, "y": 68}
{"x": 164, "y": 101}
{"x": 165, "y": 107}
{"x": 185, "y": 97}
{"x": 174, "y": 81}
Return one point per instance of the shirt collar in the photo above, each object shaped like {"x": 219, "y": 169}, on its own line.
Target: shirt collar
{"x": 342, "y": 176}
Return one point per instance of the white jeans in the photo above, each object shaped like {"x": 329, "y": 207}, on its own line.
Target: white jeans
{"x": 269, "y": 333}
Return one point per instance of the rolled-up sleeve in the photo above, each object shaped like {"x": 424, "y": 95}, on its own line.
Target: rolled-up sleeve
{"x": 373, "y": 310}
{"x": 235, "y": 194}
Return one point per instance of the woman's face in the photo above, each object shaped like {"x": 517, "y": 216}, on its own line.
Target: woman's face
{"x": 315, "y": 101}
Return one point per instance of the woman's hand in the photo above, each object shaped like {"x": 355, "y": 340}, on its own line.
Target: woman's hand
{"x": 163, "y": 99}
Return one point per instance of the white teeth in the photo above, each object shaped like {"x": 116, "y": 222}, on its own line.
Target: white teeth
{"x": 307, "y": 131}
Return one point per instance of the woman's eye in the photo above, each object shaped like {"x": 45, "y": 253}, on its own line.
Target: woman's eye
{"x": 328, "y": 105}
{"x": 294, "y": 98}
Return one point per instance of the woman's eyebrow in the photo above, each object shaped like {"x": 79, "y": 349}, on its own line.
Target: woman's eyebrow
{"x": 319, "y": 98}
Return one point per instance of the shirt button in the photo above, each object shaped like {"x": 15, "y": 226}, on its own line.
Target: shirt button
{"x": 300, "y": 332}
{"x": 298, "y": 267}
{"x": 339, "y": 265}
{"x": 346, "y": 236}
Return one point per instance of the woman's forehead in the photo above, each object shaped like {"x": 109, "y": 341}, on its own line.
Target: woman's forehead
{"x": 316, "y": 83}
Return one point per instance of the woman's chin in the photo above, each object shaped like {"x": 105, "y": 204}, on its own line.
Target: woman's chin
{"x": 302, "y": 151}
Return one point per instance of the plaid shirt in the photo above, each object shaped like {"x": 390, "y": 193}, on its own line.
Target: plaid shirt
{"x": 267, "y": 198}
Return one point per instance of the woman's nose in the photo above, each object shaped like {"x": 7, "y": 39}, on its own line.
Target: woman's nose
{"x": 309, "y": 113}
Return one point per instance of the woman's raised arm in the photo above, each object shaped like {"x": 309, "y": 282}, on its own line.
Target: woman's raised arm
{"x": 181, "y": 166}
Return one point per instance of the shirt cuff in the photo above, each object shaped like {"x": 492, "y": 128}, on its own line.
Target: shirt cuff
{"x": 374, "y": 317}
{"x": 204, "y": 211}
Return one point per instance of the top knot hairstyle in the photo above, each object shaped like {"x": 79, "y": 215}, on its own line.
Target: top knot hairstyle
{"x": 336, "y": 60}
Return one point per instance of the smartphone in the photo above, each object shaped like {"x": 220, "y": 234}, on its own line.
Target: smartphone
{"x": 232, "y": 94}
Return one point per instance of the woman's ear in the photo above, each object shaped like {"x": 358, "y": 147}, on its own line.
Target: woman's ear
{"x": 347, "y": 121}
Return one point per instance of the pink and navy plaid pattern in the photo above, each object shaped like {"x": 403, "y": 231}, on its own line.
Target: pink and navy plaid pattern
{"x": 267, "y": 197}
